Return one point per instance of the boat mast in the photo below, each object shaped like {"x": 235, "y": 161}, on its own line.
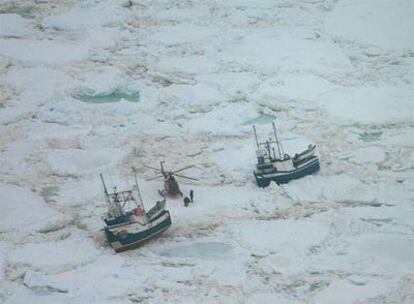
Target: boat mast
{"x": 279, "y": 145}
{"x": 136, "y": 185}
{"x": 255, "y": 136}
{"x": 104, "y": 186}
{"x": 114, "y": 207}
{"x": 268, "y": 141}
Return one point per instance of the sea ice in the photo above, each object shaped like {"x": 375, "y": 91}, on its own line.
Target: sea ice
{"x": 42, "y": 284}
{"x": 280, "y": 236}
{"x": 3, "y": 262}
{"x": 201, "y": 250}
{"x": 182, "y": 33}
{"x": 13, "y": 25}
{"x": 187, "y": 65}
{"x": 26, "y": 211}
{"x": 368, "y": 155}
{"x": 78, "y": 162}
{"x": 274, "y": 54}
{"x": 42, "y": 51}
{"x": 84, "y": 18}
{"x": 369, "y": 105}
{"x": 55, "y": 257}
{"x": 41, "y": 82}
{"x": 311, "y": 87}
{"x": 380, "y": 23}
{"x": 345, "y": 291}
{"x": 394, "y": 258}
{"x": 195, "y": 98}
{"x": 336, "y": 72}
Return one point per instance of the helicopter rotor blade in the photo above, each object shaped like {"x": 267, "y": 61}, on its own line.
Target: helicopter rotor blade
{"x": 182, "y": 169}
{"x": 152, "y": 178}
{"x": 149, "y": 167}
{"x": 182, "y": 176}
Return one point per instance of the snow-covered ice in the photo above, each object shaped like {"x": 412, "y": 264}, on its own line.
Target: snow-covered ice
{"x": 42, "y": 51}
{"x": 26, "y": 211}
{"x": 13, "y": 25}
{"x": 285, "y": 54}
{"x": 287, "y": 86}
{"x": 380, "y": 23}
{"x": 338, "y": 74}
{"x": 370, "y": 105}
{"x": 78, "y": 162}
{"x": 47, "y": 257}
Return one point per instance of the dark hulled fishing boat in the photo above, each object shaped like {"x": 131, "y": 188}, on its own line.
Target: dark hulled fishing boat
{"x": 281, "y": 167}
{"x": 128, "y": 227}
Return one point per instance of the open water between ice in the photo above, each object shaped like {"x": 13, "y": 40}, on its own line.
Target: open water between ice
{"x": 20, "y": 10}
{"x": 370, "y": 136}
{"x": 89, "y": 96}
{"x": 260, "y": 120}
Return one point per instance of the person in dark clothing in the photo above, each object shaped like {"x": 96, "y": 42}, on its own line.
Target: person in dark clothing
{"x": 186, "y": 201}
{"x": 192, "y": 196}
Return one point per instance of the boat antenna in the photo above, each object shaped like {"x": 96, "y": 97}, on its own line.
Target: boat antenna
{"x": 255, "y": 136}
{"x": 279, "y": 146}
{"x": 136, "y": 185}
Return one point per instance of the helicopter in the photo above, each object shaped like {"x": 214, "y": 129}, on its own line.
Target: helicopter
{"x": 171, "y": 186}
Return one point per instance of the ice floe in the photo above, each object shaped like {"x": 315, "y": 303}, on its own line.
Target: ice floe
{"x": 13, "y": 25}
{"x": 369, "y": 105}
{"x": 46, "y": 51}
{"x": 378, "y": 23}
{"x": 23, "y": 210}
{"x": 55, "y": 257}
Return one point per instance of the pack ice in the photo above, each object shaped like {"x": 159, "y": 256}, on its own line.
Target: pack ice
{"x": 338, "y": 74}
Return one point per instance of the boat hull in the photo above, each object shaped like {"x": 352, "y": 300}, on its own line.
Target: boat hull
{"x": 282, "y": 177}
{"x": 130, "y": 236}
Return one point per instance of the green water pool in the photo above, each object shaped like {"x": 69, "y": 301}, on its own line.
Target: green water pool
{"x": 116, "y": 95}
{"x": 20, "y": 10}
{"x": 370, "y": 136}
{"x": 261, "y": 119}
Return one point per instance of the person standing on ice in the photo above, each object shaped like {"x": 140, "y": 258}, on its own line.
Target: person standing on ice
{"x": 186, "y": 201}
{"x": 192, "y": 196}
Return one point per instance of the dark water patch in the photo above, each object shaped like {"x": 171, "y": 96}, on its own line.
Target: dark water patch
{"x": 260, "y": 120}
{"x": 370, "y": 136}
{"x": 316, "y": 286}
{"x": 90, "y": 96}
{"x": 20, "y": 10}
{"x": 49, "y": 193}
{"x": 377, "y": 221}
{"x": 375, "y": 204}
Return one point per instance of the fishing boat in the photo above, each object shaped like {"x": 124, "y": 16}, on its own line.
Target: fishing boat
{"x": 279, "y": 166}
{"x": 128, "y": 225}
